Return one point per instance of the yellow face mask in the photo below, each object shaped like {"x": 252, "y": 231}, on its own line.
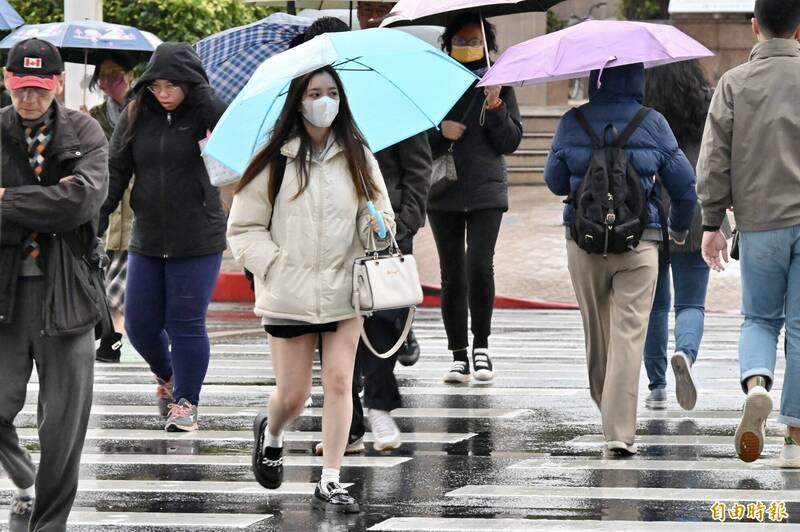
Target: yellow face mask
{"x": 467, "y": 54}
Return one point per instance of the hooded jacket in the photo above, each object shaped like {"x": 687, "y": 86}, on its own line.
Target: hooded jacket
{"x": 64, "y": 213}
{"x": 301, "y": 250}
{"x": 178, "y": 213}
{"x": 651, "y": 150}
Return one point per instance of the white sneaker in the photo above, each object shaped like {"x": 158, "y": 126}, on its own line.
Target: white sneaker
{"x": 685, "y": 389}
{"x": 384, "y": 429}
{"x": 353, "y": 447}
{"x": 790, "y": 454}
{"x": 620, "y": 449}
{"x": 459, "y": 373}
{"x": 750, "y": 434}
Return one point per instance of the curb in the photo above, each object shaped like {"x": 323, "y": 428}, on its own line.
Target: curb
{"x": 233, "y": 287}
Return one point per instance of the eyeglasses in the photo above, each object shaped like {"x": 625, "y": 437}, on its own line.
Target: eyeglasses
{"x": 169, "y": 89}
{"x": 458, "y": 41}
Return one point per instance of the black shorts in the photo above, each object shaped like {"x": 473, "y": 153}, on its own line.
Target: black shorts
{"x": 293, "y": 331}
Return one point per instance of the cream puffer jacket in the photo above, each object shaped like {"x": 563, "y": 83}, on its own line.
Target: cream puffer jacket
{"x": 303, "y": 264}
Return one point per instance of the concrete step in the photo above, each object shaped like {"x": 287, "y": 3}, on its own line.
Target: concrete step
{"x": 525, "y": 175}
{"x": 540, "y": 124}
{"x": 536, "y": 141}
{"x": 527, "y": 158}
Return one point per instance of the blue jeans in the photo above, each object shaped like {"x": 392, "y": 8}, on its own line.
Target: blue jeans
{"x": 770, "y": 264}
{"x": 166, "y": 301}
{"x": 690, "y": 277}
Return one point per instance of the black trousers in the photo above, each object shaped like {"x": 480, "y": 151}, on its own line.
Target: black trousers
{"x": 380, "y": 386}
{"x": 467, "y": 274}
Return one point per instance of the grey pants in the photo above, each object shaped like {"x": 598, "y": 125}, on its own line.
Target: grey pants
{"x": 65, "y": 366}
{"x": 615, "y": 295}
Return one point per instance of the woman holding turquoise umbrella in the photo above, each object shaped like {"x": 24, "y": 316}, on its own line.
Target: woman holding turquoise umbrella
{"x": 298, "y": 221}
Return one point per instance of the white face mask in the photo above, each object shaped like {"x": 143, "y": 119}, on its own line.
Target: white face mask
{"x": 321, "y": 112}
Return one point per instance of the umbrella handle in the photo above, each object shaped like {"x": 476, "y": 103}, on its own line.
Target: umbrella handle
{"x": 378, "y": 216}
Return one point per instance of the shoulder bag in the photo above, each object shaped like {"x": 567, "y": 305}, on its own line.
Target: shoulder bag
{"x": 385, "y": 281}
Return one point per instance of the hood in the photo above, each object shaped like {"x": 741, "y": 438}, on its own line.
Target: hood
{"x": 176, "y": 62}
{"x": 618, "y": 83}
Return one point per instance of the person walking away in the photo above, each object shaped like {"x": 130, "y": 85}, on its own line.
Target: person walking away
{"x": 686, "y": 116}
{"x": 298, "y": 221}
{"x": 114, "y": 76}
{"x": 615, "y": 290}
{"x": 483, "y": 126}
{"x": 179, "y": 235}
{"x": 748, "y": 161}
{"x": 54, "y": 180}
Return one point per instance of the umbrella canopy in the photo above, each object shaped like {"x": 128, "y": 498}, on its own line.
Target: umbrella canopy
{"x": 231, "y": 57}
{"x": 80, "y": 40}
{"x": 428, "y": 12}
{"x": 396, "y": 84}
{"x": 9, "y": 18}
{"x": 574, "y": 52}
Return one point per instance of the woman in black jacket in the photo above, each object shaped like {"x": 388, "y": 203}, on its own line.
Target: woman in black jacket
{"x": 483, "y": 126}
{"x": 179, "y": 228}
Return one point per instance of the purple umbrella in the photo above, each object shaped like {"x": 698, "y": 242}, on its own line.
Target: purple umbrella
{"x": 594, "y": 45}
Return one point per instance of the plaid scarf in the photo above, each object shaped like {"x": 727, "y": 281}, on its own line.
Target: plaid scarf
{"x": 38, "y": 137}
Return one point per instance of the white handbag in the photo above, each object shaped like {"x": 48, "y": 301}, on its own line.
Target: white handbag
{"x": 386, "y": 281}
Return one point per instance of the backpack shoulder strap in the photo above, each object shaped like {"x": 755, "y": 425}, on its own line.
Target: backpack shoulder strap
{"x": 631, "y": 128}
{"x": 587, "y": 127}
{"x": 280, "y": 170}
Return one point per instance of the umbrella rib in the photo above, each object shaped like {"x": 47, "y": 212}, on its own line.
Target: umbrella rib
{"x": 398, "y": 88}
{"x": 263, "y": 121}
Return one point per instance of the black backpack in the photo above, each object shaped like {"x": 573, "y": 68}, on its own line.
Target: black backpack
{"x": 610, "y": 206}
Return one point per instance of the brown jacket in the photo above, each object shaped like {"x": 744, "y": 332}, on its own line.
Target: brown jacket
{"x": 749, "y": 158}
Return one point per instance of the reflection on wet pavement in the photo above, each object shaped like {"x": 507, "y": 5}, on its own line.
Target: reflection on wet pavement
{"x": 521, "y": 454}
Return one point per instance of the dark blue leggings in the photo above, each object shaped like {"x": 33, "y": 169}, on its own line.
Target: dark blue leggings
{"x": 166, "y": 301}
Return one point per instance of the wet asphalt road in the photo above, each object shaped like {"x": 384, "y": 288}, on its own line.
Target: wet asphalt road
{"x": 523, "y": 453}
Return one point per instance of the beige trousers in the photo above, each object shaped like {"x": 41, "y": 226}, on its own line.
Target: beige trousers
{"x": 615, "y": 296}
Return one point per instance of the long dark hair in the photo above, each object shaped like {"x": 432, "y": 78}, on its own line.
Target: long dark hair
{"x": 680, "y": 92}
{"x": 290, "y": 124}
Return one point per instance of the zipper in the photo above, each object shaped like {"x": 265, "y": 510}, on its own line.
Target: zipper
{"x": 319, "y": 239}
{"x": 162, "y": 188}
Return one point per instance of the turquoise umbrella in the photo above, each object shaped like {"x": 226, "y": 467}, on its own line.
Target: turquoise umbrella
{"x": 397, "y": 86}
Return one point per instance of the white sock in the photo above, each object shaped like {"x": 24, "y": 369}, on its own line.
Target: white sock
{"x": 329, "y": 475}
{"x": 30, "y": 493}
{"x": 272, "y": 441}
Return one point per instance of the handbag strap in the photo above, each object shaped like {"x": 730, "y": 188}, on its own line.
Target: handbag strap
{"x": 475, "y": 94}
{"x": 406, "y": 329}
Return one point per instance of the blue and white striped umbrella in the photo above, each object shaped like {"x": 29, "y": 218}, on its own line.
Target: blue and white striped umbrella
{"x": 230, "y": 57}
